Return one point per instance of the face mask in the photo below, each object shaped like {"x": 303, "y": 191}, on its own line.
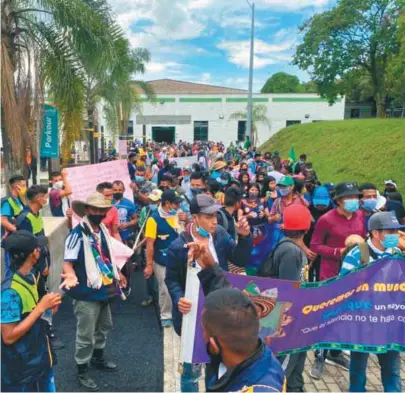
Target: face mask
{"x": 163, "y": 188}
{"x": 153, "y": 208}
{"x": 215, "y": 358}
{"x": 369, "y": 204}
{"x": 45, "y": 203}
{"x": 172, "y": 212}
{"x": 390, "y": 240}
{"x": 139, "y": 179}
{"x": 270, "y": 168}
{"x": 58, "y": 185}
{"x": 253, "y": 194}
{"x": 196, "y": 191}
{"x": 186, "y": 178}
{"x": 96, "y": 218}
{"x": 351, "y": 205}
{"x": 284, "y": 191}
{"x": 201, "y": 231}
{"x": 118, "y": 195}
{"x": 22, "y": 191}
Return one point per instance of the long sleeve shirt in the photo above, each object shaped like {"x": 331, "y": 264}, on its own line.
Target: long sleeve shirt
{"x": 329, "y": 237}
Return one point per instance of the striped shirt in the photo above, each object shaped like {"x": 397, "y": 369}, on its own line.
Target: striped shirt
{"x": 352, "y": 260}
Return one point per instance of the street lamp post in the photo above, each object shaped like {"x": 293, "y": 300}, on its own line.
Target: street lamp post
{"x": 250, "y": 99}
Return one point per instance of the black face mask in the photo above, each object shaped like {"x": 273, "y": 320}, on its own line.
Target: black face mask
{"x": 118, "y": 196}
{"x": 216, "y": 358}
{"x": 163, "y": 188}
{"x": 196, "y": 191}
{"x": 96, "y": 218}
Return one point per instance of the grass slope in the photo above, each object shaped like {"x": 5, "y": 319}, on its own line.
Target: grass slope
{"x": 370, "y": 150}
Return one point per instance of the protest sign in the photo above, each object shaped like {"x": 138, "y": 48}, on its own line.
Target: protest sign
{"x": 122, "y": 148}
{"x": 84, "y": 179}
{"x": 363, "y": 311}
{"x": 182, "y": 162}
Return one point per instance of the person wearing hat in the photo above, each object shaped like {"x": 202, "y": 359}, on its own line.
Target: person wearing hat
{"x": 288, "y": 196}
{"x": 390, "y": 186}
{"x": 289, "y": 262}
{"x": 217, "y": 169}
{"x": 328, "y": 241}
{"x": 92, "y": 280}
{"x": 186, "y": 183}
{"x": 26, "y": 358}
{"x": 382, "y": 242}
{"x": 162, "y": 228}
{"x": 205, "y": 231}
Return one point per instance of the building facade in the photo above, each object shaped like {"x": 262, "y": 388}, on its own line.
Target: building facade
{"x": 188, "y": 111}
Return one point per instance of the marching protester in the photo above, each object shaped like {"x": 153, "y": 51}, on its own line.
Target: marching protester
{"x": 382, "y": 242}
{"x": 58, "y": 195}
{"x": 328, "y": 241}
{"x": 27, "y": 359}
{"x": 162, "y": 228}
{"x": 368, "y": 201}
{"x": 92, "y": 279}
{"x": 227, "y": 213}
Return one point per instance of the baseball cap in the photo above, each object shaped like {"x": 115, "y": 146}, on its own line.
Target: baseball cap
{"x": 384, "y": 220}
{"x": 286, "y": 181}
{"x": 147, "y": 188}
{"x": 390, "y": 182}
{"x": 23, "y": 243}
{"x": 155, "y": 195}
{"x": 297, "y": 218}
{"x": 321, "y": 196}
{"x": 171, "y": 196}
{"x": 205, "y": 204}
{"x": 347, "y": 189}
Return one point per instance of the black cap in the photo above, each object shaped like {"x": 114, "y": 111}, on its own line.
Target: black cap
{"x": 23, "y": 243}
{"x": 346, "y": 189}
{"x": 171, "y": 196}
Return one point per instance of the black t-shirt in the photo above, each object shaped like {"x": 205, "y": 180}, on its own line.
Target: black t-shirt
{"x": 397, "y": 208}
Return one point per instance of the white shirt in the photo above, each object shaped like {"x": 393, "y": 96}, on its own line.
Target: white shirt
{"x": 277, "y": 175}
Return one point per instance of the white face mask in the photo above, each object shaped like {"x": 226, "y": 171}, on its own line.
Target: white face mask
{"x": 58, "y": 185}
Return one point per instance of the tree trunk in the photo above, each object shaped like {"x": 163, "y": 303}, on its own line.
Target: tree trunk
{"x": 380, "y": 105}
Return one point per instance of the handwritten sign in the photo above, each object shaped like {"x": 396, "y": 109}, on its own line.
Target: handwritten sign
{"x": 122, "y": 148}
{"x": 84, "y": 179}
{"x": 182, "y": 162}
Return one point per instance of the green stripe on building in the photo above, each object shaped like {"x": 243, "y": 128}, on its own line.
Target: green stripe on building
{"x": 159, "y": 99}
{"x": 200, "y": 100}
{"x": 302, "y": 99}
{"x": 246, "y": 100}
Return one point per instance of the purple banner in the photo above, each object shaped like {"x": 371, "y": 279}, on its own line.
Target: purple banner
{"x": 362, "y": 311}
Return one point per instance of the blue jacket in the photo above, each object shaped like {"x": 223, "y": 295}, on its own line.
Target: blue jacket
{"x": 176, "y": 264}
{"x": 261, "y": 372}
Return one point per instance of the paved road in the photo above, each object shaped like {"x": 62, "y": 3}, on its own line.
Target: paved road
{"x": 135, "y": 344}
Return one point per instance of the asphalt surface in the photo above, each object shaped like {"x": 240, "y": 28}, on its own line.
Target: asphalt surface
{"x": 135, "y": 344}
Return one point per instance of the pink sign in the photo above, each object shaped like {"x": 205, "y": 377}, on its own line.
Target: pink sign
{"x": 122, "y": 148}
{"x": 84, "y": 179}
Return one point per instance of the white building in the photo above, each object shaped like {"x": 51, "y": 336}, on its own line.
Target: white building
{"x": 191, "y": 111}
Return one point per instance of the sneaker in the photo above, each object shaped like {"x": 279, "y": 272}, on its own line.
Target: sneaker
{"x": 166, "y": 323}
{"x": 127, "y": 291}
{"x": 338, "y": 360}
{"x": 147, "y": 302}
{"x": 317, "y": 370}
{"x": 88, "y": 384}
{"x": 103, "y": 365}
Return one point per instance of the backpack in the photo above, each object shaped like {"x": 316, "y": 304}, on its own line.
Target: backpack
{"x": 268, "y": 268}
{"x": 225, "y": 223}
{"x": 365, "y": 253}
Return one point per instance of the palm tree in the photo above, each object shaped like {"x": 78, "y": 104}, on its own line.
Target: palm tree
{"x": 47, "y": 45}
{"x": 259, "y": 114}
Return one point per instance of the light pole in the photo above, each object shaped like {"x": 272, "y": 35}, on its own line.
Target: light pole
{"x": 250, "y": 99}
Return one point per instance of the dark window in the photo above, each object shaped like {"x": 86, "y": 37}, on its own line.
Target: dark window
{"x": 130, "y": 127}
{"x": 354, "y": 113}
{"x": 241, "y": 130}
{"x": 201, "y": 130}
{"x": 292, "y": 122}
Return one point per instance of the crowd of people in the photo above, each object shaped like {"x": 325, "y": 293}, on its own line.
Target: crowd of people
{"x": 207, "y": 213}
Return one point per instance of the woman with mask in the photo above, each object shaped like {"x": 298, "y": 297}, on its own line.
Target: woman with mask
{"x": 155, "y": 170}
{"x": 253, "y": 207}
{"x": 269, "y": 191}
{"x": 244, "y": 181}
{"x": 260, "y": 179}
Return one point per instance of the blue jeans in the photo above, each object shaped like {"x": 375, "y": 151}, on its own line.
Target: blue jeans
{"x": 189, "y": 378}
{"x": 45, "y": 384}
{"x": 390, "y": 364}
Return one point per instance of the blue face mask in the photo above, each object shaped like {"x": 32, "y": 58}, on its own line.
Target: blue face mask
{"x": 139, "y": 179}
{"x": 390, "y": 240}
{"x": 172, "y": 212}
{"x": 351, "y": 205}
{"x": 153, "y": 208}
{"x": 202, "y": 232}
{"x": 284, "y": 191}
{"x": 369, "y": 204}
{"x": 186, "y": 178}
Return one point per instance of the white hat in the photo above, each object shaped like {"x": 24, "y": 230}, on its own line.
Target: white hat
{"x": 381, "y": 201}
{"x": 390, "y": 182}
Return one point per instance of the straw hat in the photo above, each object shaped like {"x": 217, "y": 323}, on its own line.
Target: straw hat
{"x": 96, "y": 200}
{"x": 219, "y": 165}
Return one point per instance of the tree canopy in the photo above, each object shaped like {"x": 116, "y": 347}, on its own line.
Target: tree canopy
{"x": 356, "y": 36}
{"x": 282, "y": 82}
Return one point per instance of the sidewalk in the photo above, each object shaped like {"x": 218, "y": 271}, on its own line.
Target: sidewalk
{"x": 334, "y": 379}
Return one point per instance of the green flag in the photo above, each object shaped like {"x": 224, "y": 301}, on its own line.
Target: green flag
{"x": 292, "y": 155}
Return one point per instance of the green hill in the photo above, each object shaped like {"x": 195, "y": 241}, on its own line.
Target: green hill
{"x": 371, "y": 150}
